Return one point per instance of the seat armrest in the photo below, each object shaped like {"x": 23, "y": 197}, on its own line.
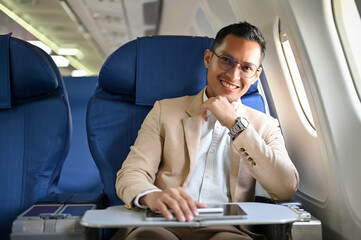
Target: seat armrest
{"x": 75, "y": 198}
{"x": 57, "y": 216}
{"x": 291, "y": 202}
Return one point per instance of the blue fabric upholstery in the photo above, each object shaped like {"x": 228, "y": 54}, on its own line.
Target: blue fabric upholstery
{"x": 130, "y": 81}
{"x": 79, "y": 173}
{"x": 252, "y": 98}
{"x": 35, "y": 128}
{"x": 5, "y": 93}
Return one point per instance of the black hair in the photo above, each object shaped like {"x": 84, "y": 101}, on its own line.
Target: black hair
{"x": 243, "y": 30}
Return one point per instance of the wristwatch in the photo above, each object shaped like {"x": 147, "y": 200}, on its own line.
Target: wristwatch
{"x": 241, "y": 124}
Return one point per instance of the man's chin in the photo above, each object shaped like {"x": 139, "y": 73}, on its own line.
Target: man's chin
{"x": 231, "y": 99}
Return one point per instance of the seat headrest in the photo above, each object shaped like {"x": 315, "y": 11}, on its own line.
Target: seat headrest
{"x": 153, "y": 68}
{"x": 32, "y": 71}
{"x": 117, "y": 74}
{"x": 158, "y": 67}
{"x": 253, "y": 88}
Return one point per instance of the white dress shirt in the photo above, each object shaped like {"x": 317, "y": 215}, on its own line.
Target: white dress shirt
{"x": 209, "y": 182}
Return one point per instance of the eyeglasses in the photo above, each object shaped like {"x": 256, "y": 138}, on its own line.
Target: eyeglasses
{"x": 226, "y": 63}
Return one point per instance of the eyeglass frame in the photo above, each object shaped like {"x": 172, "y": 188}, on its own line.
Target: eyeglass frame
{"x": 234, "y": 63}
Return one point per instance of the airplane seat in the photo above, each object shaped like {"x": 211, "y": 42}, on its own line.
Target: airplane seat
{"x": 79, "y": 159}
{"x": 130, "y": 81}
{"x": 35, "y": 127}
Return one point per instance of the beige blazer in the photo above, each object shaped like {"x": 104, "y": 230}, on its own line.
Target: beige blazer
{"x": 165, "y": 151}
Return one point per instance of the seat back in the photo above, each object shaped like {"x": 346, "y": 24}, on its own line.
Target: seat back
{"x": 79, "y": 159}
{"x": 130, "y": 81}
{"x": 35, "y": 127}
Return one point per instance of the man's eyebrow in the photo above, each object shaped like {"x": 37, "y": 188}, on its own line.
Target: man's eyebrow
{"x": 226, "y": 53}
{"x": 229, "y": 55}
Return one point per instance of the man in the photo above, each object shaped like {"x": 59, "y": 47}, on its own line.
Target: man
{"x": 208, "y": 148}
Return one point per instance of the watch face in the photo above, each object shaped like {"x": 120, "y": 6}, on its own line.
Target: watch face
{"x": 244, "y": 122}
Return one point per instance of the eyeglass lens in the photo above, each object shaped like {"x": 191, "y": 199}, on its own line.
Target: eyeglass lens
{"x": 227, "y": 63}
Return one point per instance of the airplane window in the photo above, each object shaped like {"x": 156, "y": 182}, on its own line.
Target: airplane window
{"x": 298, "y": 124}
{"x": 348, "y": 22}
{"x": 296, "y": 78}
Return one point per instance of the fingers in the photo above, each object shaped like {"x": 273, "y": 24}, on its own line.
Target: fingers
{"x": 165, "y": 211}
{"x": 177, "y": 200}
{"x": 221, "y": 108}
{"x": 204, "y": 112}
{"x": 200, "y": 205}
{"x": 181, "y": 203}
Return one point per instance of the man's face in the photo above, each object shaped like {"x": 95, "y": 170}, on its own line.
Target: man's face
{"x": 231, "y": 84}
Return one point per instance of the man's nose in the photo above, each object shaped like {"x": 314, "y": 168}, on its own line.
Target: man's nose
{"x": 234, "y": 73}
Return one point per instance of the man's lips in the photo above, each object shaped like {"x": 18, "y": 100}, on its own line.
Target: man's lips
{"x": 228, "y": 84}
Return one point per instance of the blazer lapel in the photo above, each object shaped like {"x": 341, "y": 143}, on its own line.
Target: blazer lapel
{"x": 192, "y": 128}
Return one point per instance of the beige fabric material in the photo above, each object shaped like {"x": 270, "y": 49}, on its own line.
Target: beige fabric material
{"x": 184, "y": 233}
{"x": 165, "y": 152}
{"x": 201, "y": 233}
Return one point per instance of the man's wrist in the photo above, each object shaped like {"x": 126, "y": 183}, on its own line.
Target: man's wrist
{"x": 241, "y": 124}
{"x": 232, "y": 124}
{"x": 136, "y": 201}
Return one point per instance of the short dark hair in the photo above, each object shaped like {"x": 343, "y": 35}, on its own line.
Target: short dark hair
{"x": 243, "y": 30}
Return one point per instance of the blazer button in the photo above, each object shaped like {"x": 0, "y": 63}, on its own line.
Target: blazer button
{"x": 253, "y": 163}
{"x": 242, "y": 149}
{"x": 250, "y": 159}
{"x": 246, "y": 154}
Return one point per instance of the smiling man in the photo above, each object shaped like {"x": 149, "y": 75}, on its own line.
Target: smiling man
{"x": 208, "y": 148}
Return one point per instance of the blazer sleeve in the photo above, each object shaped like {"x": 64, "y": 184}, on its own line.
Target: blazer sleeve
{"x": 264, "y": 153}
{"x": 138, "y": 171}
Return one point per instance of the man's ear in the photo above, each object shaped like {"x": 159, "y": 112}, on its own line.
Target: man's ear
{"x": 256, "y": 76}
{"x": 207, "y": 57}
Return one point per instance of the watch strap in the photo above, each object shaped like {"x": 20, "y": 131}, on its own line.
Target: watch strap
{"x": 241, "y": 124}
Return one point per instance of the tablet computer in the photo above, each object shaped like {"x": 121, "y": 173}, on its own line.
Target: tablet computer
{"x": 214, "y": 211}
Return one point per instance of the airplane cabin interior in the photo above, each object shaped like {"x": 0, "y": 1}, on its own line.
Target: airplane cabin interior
{"x": 78, "y": 77}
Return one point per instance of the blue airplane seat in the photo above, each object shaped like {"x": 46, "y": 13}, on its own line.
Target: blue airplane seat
{"x": 130, "y": 81}
{"x": 35, "y": 127}
{"x": 79, "y": 159}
